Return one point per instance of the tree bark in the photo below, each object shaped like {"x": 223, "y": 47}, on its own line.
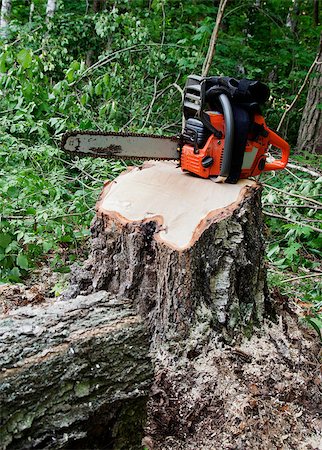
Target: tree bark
{"x": 5, "y": 13}
{"x": 74, "y": 374}
{"x": 310, "y": 131}
{"x": 31, "y": 11}
{"x": 292, "y": 17}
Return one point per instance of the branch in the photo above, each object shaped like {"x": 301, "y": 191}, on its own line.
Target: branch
{"x": 288, "y": 109}
{"x": 305, "y": 170}
{"x": 152, "y": 102}
{"x": 286, "y": 219}
{"x": 311, "y": 275}
{"x": 213, "y": 39}
{"x": 292, "y": 195}
{"x": 286, "y": 205}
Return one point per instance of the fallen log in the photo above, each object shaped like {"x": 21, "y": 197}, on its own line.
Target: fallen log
{"x": 73, "y": 374}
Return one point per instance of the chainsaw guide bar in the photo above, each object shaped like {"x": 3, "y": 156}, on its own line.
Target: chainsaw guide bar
{"x": 111, "y": 145}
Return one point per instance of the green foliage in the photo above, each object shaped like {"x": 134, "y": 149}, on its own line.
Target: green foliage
{"x": 140, "y": 52}
{"x": 47, "y": 204}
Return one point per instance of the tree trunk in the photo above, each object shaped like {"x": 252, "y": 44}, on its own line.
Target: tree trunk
{"x": 74, "y": 374}
{"x": 310, "y": 131}
{"x": 316, "y": 13}
{"x": 5, "y": 13}
{"x": 98, "y": 5}
{"x": 179, "y": 245}
{"x": 31, "y": 11}
{"x": 50, "y": 10}
{"x": 292, "y": 17}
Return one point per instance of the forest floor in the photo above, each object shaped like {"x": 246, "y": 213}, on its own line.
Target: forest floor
{"x": 263, "y": 394}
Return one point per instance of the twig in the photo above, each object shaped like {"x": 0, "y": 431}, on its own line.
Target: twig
{"x": 155, "y": 83}
{"x": 286, "y": 205}
{"x": 286, "y": 219}
{"x": 292, "y": 195}
{"x": 183, "y": 121}
{"x": 179, "y": 89}
{"x": 312, "y": 275}
{"x": 48, "y": 218}
{"x": 112, "y": 56}
{"x": 305, "y": 170}
{"x": 102, "y": 62}
{"x": 288, "y": 109}
{"x": 163, "y": 22}
{"x": 74, "y": 166}
{"x": 293, "y": 174}
{"x": 213, "y": 39}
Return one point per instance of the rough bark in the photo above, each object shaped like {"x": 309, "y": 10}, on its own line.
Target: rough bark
{"x": 5, "y": 13}
{"x": 73, "y": 374}
{"x": 221, "y": 370}
{"x": 310, "y": 132}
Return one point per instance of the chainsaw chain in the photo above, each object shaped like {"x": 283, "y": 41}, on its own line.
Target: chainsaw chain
{"x": 114, "y": 133}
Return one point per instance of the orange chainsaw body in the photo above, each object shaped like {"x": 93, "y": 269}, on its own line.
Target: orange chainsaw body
{"x": 254, "y": 162}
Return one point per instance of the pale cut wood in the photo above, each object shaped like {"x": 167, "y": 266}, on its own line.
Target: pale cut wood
{"x": 182, "y": 204}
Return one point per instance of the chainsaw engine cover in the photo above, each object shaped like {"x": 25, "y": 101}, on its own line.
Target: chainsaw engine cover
{"x": 207, "y": 160}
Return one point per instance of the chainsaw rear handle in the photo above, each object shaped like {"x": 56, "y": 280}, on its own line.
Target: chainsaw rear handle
{"x": 275, "y": 140}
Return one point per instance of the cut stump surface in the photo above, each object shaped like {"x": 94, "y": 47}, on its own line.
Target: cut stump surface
{"x": 182, "y": 204}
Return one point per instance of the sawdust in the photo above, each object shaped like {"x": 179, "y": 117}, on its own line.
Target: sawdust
{"x": 264, "y": 394}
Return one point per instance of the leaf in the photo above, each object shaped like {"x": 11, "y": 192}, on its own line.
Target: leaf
{"x": 5, "y": 239}
{"x": 84, "y": 99}
{"x": 291, "y": 251}
{"x": 316, "y": 323}
{"x": 3, "y": 67}
{"x": 273, "y": 250}
{"x": 70, "y": 75}
{"x": 24, "y": 58}
{"x": 14, "y": 274}
{"x": 22, "y": 262}
{"x": 47, "y": 246}
{"x": 98, "y": 89}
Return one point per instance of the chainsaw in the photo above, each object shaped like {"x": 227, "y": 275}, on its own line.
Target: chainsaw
{"x": 225, "y": 135}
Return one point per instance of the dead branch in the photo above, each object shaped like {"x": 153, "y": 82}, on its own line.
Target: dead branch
{"x": 287, "y": 219}
{"x": 305, "y": 170}
{"x": 292, "y": 195}
{"x": 213, "y": 39}
{"x": 291, "y": 106}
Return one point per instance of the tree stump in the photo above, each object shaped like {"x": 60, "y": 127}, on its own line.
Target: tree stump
{"x": 185, "y": 249}
{"x": 182, "y": 259}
